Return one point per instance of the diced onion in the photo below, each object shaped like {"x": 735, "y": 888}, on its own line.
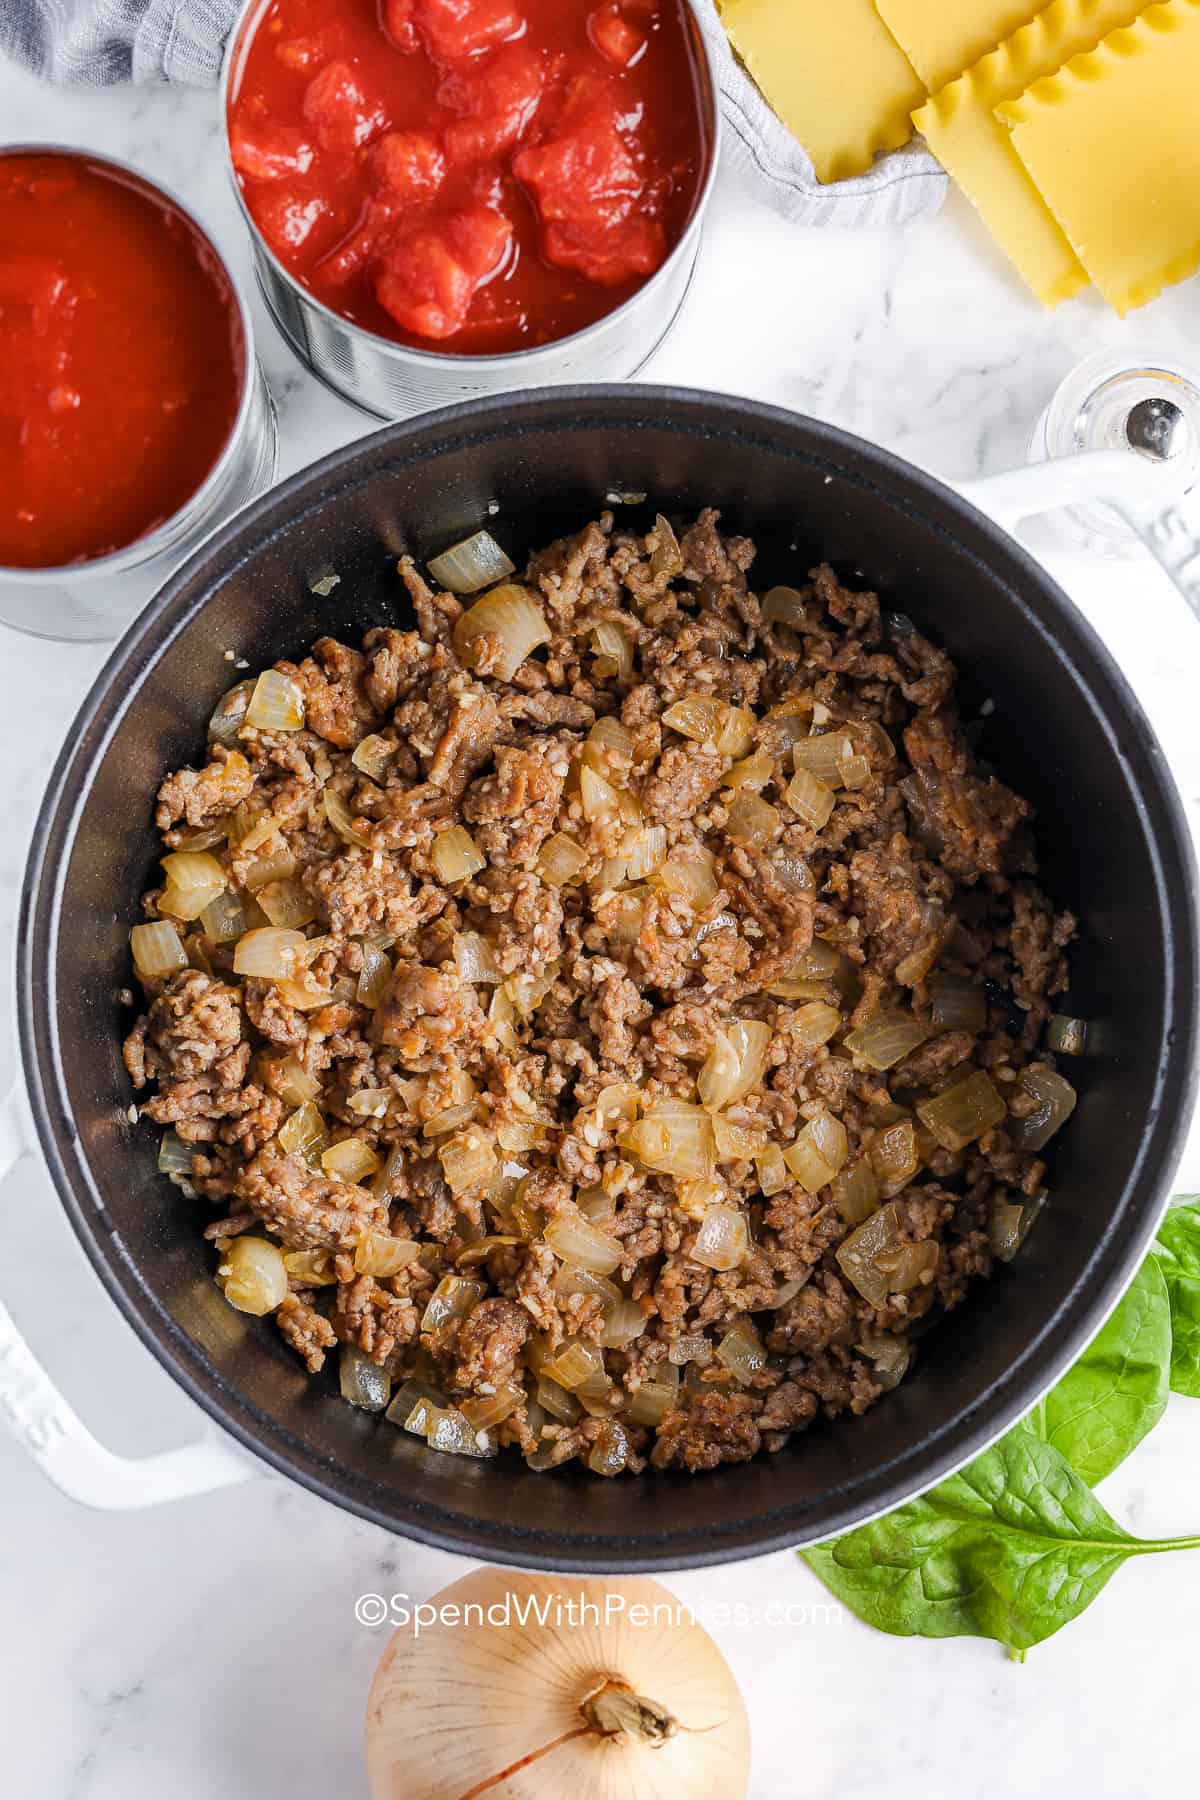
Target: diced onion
{"x": 890, "y": 1357}
{"x": 694, "y": 882}
{"x": 958, "y": 1005}
{"x": 380, "y": 1255}
{"x": 300, "y": 997}
{"x": 791, "y": 870}
{"x": 772, "y": 1170}
{"x": 854, "y": 772}
{"x": 411, "y": 1405}
{"x": 451, "y": 1433}
{"x": 644, "y": 849}
{"x": 666, "y": 558}
{"x": 363, "y": 1383}
{"x": 751, "y": 819}
{"x": 303, "y": 1134}
{"x": 557, "y": 1401}
{"x": 157, "y": 950}
{"x": 624, "y": 1322}
{"x": 528, "y": 991}
{"x": 575, "y": 1363}
{"x": 286, "y": 903}
{"x": 818, "y": 1153}
{"x": 194, "y": 879}
{"x": 735, "y": 1064}
{"x": 723, "y": 1240}
{"x": 229, "y": 714}
{"x": 294, "y": 1084}
{"x": 752, "y": 771}
{"x": 455, "y": 856}
{"x": 473, "y": 563}
{"x": 468, "y": 1161}
{"x": 560, "y": 860}
{"x": 608, "y": 748}
{"x": 279, "y": 865}
{"x": 742, "y": 1352}
{"x": 373, "y": 755}
{"x": 613, "y": 648}
{"x": 651, "y": 1403}
{"x": 810, "y": 799}
{"x": 884, "y": 1040}
{"x": 963, "y": 1112}
{"x": 574, "y": 1239}
{"x": 596, "y": 1204}
{"x": 1055, "y": 1103}
{"x": 452, "y": 1119}
{"x": 1009, "y": 1224}
{"x": 784, "y": 606}
{"x": 895, "y": 1157}
{"x": 860, "y": 1256}
{"x": 373, "y": 977}
{"x": 1066, "y": 1036}
{"x": 616, "y": 1103}
{"x": 349, "y": 1160}
{"x": 610, "y": 1451}
{"x": 268, "y": 952}
{"x": 342, "y": 819}
{"x": 675, "y": 1139}
{"x": 224, "y": 918}
{"x": 252, "y": 1275}
{"x": 488, "y": 1410}
{"x": 855, "y": 1190}
{"x": 733, "y": 1142}
{"x": 277, "y": 703}
{"x": 823, "y": 756}
{"x": 368, "y": 1103}
{"x": 310, "y": 1268}
{"x": 512, "y": 618}
{"x": 474, "y": 958}
{"x": 695, "y": 1197}
{"x": 815, "y": 1023}
{"x": 698, "y": 717}
{"x": 174, "y": 1156}
{"x": 503, "y": 1019}
{"x": 599, "y": 798}
{"x": 452, "y": 1299}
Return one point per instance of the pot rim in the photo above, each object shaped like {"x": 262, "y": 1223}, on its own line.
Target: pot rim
{"x": 916, "y": 1466}
{"x": 517, "y": 363}
{"x": 168, "y": 532}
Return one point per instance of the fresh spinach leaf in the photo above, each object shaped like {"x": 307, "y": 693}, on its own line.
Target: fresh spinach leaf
{"x": 1177, "y": 1253}
{"x": 1117, "y": 1391}
{"x": 1012, "y": 1548}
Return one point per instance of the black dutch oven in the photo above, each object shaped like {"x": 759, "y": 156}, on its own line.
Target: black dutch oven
{"x": 1066, "y": 731}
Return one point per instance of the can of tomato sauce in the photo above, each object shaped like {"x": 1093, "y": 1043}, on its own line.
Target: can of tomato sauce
{"x": 448, "y": 198}
{"x": 134, "y": 416}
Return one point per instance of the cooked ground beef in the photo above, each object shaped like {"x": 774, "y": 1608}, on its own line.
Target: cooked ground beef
{"x": 465, "y": 1113}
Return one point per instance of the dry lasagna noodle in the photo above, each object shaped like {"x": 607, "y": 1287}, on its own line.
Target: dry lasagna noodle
{"x": 832, "y": 72}
{"x": 963, "y": 131}
{"x": 1111, "y": 142}
{"x": 941, "y": 38}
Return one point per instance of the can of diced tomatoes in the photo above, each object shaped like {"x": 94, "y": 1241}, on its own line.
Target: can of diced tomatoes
{"x": 448, "y": 198}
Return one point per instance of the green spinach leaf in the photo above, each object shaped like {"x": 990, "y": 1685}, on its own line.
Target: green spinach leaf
{"x": 1117, "y": 1391}
{"x": 1177, "y": 1253}
{"x": 1012, "y": 1548}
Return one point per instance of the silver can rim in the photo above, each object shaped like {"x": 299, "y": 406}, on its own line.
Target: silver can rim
{"x": 163, "y": 536}
{"x": 438, "y": 359}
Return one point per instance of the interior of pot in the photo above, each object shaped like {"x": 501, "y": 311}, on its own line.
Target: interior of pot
{"x": 1064, "y": 731}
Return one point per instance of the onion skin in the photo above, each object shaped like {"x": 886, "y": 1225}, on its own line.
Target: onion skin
{"x": 496, "y": 1711}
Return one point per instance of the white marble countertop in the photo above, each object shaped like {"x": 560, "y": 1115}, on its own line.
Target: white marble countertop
{"x": 210, "y": 1649}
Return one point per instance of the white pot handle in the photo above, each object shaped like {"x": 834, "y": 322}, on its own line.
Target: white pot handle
{"x": 54, "y": 1434}
{"x": 1142, "y": 492}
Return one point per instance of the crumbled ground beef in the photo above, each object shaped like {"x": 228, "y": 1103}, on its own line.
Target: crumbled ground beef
{"x": 498, "y": 1050}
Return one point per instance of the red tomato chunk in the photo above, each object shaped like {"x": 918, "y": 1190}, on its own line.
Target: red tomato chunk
{"x": 485, "y": 175}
